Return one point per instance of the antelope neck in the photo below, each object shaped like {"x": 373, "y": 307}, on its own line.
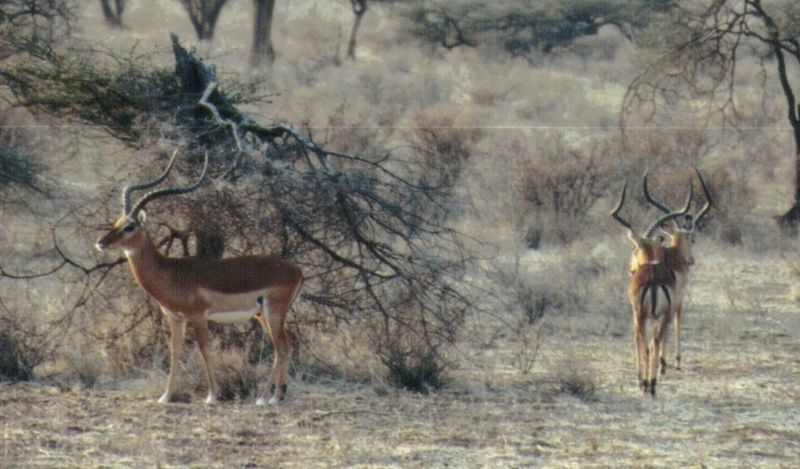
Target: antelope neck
{"x": 143, "y": 260}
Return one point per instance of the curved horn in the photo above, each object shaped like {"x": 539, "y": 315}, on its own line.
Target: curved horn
{"x": 688, "y": 203}
{"x": 661, "y": 206}
{"x": 671, "y": 215}
{"x": 169, "y": 191}
{"x": 615, "y": 212}
{"x": 128, "y": 190}
{"x": 707, "y": 193}
{"x": 649, "y": 198}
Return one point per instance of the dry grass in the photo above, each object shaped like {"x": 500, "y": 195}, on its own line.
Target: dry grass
{"x": 732, "y": 405}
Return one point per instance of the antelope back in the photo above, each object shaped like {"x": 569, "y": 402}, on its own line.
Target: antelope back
{"x": 645, "y": 251}
{"x": 679, "y": 253}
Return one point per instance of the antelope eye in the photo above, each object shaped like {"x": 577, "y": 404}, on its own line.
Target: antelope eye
{"x": 129, "y": 228}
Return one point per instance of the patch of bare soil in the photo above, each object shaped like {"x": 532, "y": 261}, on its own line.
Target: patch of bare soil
{"x": 734, "y": 404}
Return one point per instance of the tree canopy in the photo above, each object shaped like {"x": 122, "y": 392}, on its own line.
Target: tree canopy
{"x": 699, "y": 51}
{"x": 524, "y": 28}
{"x": 370, "y": 231}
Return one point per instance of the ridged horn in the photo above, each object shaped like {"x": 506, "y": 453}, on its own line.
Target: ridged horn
{"x": 169, "y": 191}
{"x": 128, "y": 190}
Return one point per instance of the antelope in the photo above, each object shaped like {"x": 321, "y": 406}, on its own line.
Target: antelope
{"x": 193, "y": 291}
{"x": 651, "y": 291}
{"x": 645, "y": 250}
{"x": 658, "y": 282}
{"x": 678, "y": 255}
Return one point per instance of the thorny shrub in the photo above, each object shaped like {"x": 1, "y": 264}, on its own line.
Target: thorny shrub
{"x": 530, "y": 302}
{"x": 560, "y": 183}
{"x": 576, "y": 383}
{"x": 12, "y": 363}
{"x": 363, "y": 227}
{"x": 444, "y": 146}
{"x": 416, "y": 370}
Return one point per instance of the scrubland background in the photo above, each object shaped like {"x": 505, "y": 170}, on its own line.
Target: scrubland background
{"x": 544, "y": 376}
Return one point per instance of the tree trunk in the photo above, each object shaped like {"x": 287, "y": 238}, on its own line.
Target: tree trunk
{"x": 263, "y": 53}
{"x": 113, "y": 15}
{"x": 359, "y": 8}
{"x": 210, "y": 240}
{"x": 790, "y": 221}
{"x": 204, "y": 16}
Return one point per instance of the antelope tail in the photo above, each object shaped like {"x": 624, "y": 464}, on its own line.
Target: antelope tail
{"x": 652, "y": 291}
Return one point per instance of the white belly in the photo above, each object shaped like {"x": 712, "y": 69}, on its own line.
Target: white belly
{"x": 232, "y": 316}
{"x": 233, "y": 307}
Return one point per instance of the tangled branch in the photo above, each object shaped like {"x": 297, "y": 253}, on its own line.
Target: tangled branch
{"x": 371, "y": 232}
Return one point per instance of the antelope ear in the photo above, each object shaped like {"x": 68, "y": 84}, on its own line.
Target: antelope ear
{"x": 688, "y": 223}
{"x": 633, "y": 237}
{"x": 142, "y": 217}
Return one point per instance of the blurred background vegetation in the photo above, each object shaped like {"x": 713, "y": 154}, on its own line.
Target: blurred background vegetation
{"x": 440, "y": 168}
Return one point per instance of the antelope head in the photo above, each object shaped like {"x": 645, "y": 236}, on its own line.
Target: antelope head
{"x": 127, "y": 232}
{"x": 682, "y": 237}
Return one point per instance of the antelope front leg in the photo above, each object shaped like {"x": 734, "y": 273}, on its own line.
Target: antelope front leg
{"x": 177, "y": 328}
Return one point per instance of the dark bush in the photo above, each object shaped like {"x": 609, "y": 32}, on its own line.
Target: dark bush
{"x": 12, "y": 366}
{"x": 415, "y": 370}
{"x": 577, "y": 384}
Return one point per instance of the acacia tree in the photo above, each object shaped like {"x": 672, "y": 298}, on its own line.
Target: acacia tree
{"x": 26, "y": 27}
{"x": 369, "y": 230}
{"x": 525, "y": 28}
{"x": 698, "y": 49}
{"x": 26, "y": 24}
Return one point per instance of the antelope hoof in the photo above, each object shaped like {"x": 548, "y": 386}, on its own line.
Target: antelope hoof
{"x": 663, "y": 365}
{"x": 164, "y": 399}
{"x": 211, "y": 399}
{"x": 653, "y": 387}
{"x": 283, "y": 388}
{"x": 262, "y": 402}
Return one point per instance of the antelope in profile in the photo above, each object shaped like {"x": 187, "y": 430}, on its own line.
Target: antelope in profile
{"x": 658, "y": 282}
{"x": 193, "y": 290}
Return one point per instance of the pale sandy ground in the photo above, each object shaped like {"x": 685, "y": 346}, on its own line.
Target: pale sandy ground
{"x": 733, "y": 405}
